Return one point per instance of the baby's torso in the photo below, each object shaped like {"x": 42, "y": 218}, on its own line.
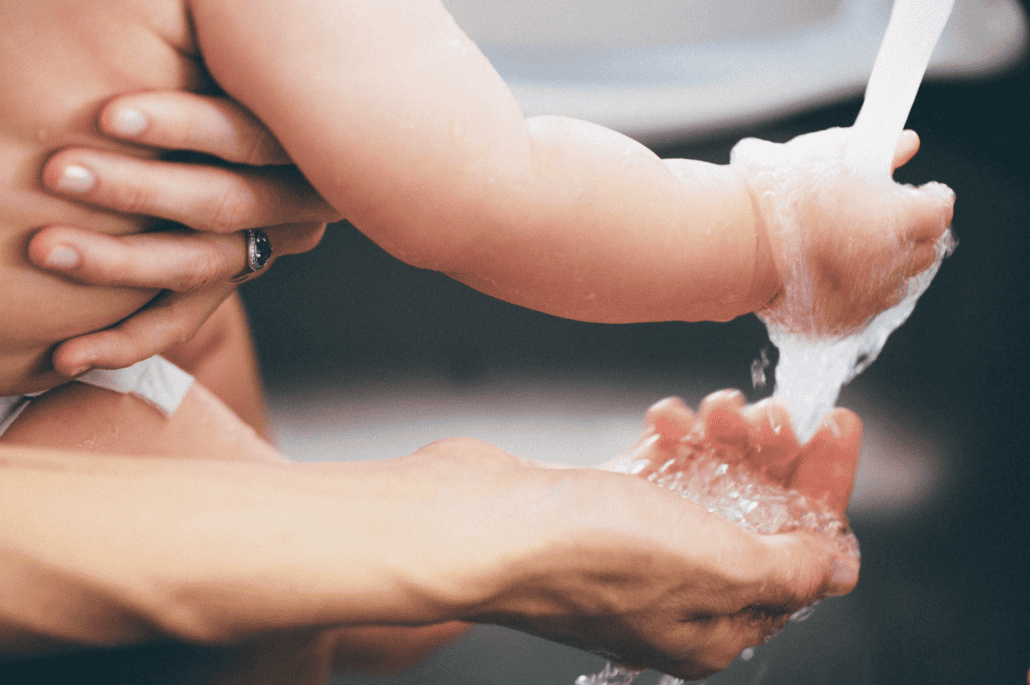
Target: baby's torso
{"x": 60, "y": 61}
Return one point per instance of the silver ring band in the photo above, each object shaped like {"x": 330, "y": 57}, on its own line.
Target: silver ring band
{"x": 259, "y": 252}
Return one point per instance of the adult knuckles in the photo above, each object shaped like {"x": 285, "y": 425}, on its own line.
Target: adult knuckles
{"x": 795, "y": 574}
{"x": 263, "y": 148}
{"x": 132, "y": 198}
{"x": 209, "y": 268}
{"x": 710, "y": 659}
{"x": 297, "y": 238}
{"x": 231, "y": 209}
{"x": 108, "y": 263}
{"x": 310, "y": 238}
{"x": 180, "y": 322}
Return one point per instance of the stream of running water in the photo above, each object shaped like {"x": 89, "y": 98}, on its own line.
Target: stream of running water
{"x": 812, "y": 368}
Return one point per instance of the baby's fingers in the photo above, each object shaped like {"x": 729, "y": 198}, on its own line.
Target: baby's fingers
{"x": 908, "y": 146}
{"x": 925, "y": 213}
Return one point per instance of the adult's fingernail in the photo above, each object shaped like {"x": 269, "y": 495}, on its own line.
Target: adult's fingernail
{"x": 76, "y": 179}
{"x": 63, "y": 257}
{"x": 831, "y": 425}
{"x": 129, "y": 122}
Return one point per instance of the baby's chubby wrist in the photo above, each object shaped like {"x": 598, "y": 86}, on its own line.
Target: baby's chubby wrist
{"x": 767, "y": 275}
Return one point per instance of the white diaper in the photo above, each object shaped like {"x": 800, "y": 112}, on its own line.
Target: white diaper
{"x": 155, "y": 380}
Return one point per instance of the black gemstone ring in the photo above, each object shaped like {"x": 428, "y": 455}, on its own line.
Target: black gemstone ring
{"x": 259, "y": 251}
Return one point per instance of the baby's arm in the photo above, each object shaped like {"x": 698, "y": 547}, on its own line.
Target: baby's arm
{"x": 402, "y": 124}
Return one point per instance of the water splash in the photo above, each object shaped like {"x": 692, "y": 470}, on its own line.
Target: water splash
{"x": 812, "y": 369}
{"x": 719, "y": 480}
{"x": 619, "y": 675}
{"x": 813, "y": 366}
{"x": 611, "y": 674}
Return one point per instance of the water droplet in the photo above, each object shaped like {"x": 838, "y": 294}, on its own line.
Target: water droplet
{"x": 758, "y": 368}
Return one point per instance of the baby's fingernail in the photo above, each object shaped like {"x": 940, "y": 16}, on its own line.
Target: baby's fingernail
{"x": 62, "y": 257}
{"x": 129, "y": 122}
{"x": 76, "y": 179}
{"x": 843, "y": 577}
{"x": 79, "y": 371}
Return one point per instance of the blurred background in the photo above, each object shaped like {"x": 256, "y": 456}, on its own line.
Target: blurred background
{"x": 366, "y": 357}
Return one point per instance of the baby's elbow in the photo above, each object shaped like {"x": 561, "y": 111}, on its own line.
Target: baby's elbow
{"x": 195, "y": 622}
{"x": 428, "y": 243}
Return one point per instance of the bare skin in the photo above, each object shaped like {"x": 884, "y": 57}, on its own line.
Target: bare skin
{"x": 191, "y": 267}
{"x": 406, "y": 130}
{"x": 821, "y": 216}
{"x": 431, "y": 159}
{"x": 679, "y": 588}
{"x": 375, "y": 648}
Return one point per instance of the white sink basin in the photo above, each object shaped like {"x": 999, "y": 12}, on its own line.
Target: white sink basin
{"x": 659, "y": 70}
{"x": 905, "y": 465}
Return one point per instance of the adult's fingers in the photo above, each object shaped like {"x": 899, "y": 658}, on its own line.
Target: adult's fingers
{"x": 177, "y": 120}
{"x": 203, "y": 197}
{"x": 178, "y": 260}
{"x": 170, "y": 319}
{"x": 670, "y": 419}
{"x": 781, "y": 575}
{"x": 829, "y": 460}
{"x": 724, "y": 425}
{"x": 773, "y": 432}
{"x": 802, "y": 568}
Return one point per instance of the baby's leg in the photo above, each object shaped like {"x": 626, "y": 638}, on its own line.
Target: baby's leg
{"x": 221, "y": 356}
{"x": 86, "y": 418}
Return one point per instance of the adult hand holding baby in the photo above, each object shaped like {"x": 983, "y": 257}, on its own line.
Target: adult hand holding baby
{"x": 246, "y": 181}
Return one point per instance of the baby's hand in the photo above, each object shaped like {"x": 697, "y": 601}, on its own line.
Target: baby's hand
{"x": 845, "y": 248}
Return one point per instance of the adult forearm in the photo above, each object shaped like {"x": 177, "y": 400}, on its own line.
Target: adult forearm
{"x": 102, "y": 551}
